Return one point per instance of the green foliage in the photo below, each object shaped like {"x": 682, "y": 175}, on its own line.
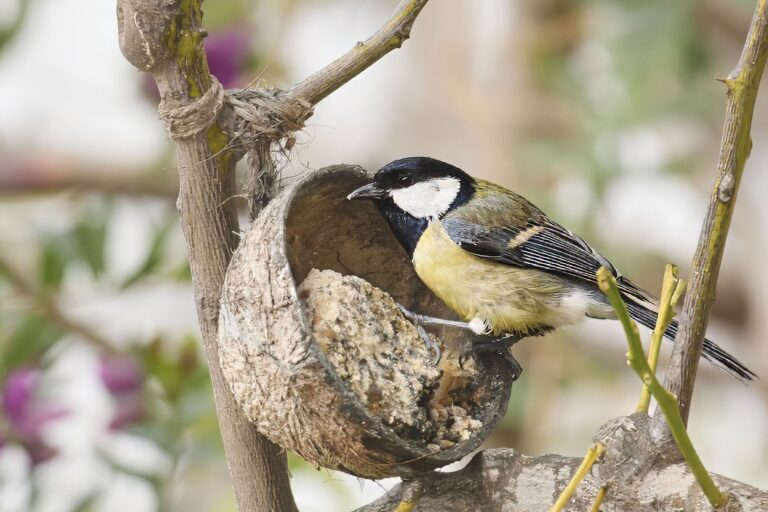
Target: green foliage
{"x": 8, "y": 31}
{"x": 89, "y": 237}
{"x": 156, "y": 253}
{"x": 84, "y": 242}
{"x": 24, "y": 343}
{"x": 54, "y": 259}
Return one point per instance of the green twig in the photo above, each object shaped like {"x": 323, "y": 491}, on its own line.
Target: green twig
{"x": 593, "y": 454}
{"x": 666, "y": 400}
{"x": 671, "y": 290}
{"x": 599, "y": 499}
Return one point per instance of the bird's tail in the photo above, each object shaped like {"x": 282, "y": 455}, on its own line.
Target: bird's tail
{"x": 634, "y": 295}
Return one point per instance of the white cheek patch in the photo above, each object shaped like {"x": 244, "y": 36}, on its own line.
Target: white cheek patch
{"x": 427, "y": 199}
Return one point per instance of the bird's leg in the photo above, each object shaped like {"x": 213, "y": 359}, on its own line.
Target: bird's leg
{"x": 419, "y": 321}
{"x": 502, "y": 345}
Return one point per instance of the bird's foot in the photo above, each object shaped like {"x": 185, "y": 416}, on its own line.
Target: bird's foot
{"x": 419, "y": 321}
{"x": 502, "y": 345}
{"x": 431, "y": 344}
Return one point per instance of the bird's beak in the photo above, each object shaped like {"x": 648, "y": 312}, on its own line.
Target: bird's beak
{"x": 369, "y": 191}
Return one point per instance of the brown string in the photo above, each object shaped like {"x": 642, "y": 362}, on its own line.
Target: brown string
{"x": 262, "y": 117}
{"x": 186, "y": 121}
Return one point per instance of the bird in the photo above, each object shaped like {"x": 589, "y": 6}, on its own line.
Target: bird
{"x": 499, "y": 262}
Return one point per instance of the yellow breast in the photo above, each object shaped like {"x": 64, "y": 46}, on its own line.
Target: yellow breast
{"x": 508, "y": 298}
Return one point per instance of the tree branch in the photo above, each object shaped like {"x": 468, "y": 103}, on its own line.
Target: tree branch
{"x": 736, "y": 144}
{"x": 165, "y": 37}
{"x": 634, "y": 475}
{"x": 389, "y": 37}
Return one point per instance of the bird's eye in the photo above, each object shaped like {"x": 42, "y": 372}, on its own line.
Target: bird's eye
{"x": 405, "y": 180}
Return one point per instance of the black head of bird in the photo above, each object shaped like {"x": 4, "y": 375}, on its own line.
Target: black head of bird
{"x": 424, "y": 188}
{"x": 412, "y": 191}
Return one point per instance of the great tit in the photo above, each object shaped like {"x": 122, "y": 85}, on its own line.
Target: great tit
{"x": 497, "y": 260}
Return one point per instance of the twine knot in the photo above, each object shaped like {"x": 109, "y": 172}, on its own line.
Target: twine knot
{"x": 186, "y": 121}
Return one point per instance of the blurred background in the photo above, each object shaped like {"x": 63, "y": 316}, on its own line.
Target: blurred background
{"x": 605, "y": 113}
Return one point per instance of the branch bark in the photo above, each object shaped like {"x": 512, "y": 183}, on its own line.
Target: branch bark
{"x": 164, "y": 37}
{"x": 637, "y": 476}
{"x": 502, "y": 479}
{"x": 742, "y": 83}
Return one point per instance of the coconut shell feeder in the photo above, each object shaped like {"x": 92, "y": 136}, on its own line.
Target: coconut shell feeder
{"x": 320, "y": 358}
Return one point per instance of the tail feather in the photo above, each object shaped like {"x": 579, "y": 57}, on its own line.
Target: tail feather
{"x": 710, "y": 351}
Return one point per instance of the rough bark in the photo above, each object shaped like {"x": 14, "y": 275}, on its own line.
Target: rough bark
{"x": 164, "y": 37}
{"x": 639, "y": 478}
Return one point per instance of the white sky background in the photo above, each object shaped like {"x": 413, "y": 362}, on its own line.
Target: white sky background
{"x": 65, "y": 88}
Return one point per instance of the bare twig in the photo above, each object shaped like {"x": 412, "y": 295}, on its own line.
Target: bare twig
{"x": 736, "y": 144}
{"x": 389, "y": 37}
{"x": 599, "y": 499}
{"x": 51, "y": 310}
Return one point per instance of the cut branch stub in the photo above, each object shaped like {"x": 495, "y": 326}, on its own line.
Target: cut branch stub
{"x": 330, "y": 369}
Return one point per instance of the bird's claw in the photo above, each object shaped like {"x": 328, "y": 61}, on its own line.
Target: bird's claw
{"x": 416, "y": 320}
{"x": 431, "y": 344}
{"x": 467, "y": 352}
{"x": 501, "y": 345}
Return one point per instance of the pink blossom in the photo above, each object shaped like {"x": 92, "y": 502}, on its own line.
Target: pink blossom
{"x": 27, "y": 414}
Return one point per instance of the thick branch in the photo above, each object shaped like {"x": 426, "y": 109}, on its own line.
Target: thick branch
{"x": 736, "y": 144}
{"x": 501, "y": 479}
{"x": 165, "y": 37}
{"x": 358, "y": 59}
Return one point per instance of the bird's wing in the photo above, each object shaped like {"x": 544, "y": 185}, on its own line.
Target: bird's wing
{"x": 540, "y": 244}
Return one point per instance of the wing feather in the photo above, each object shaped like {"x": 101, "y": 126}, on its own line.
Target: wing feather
{"x": 551, "y": 248}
